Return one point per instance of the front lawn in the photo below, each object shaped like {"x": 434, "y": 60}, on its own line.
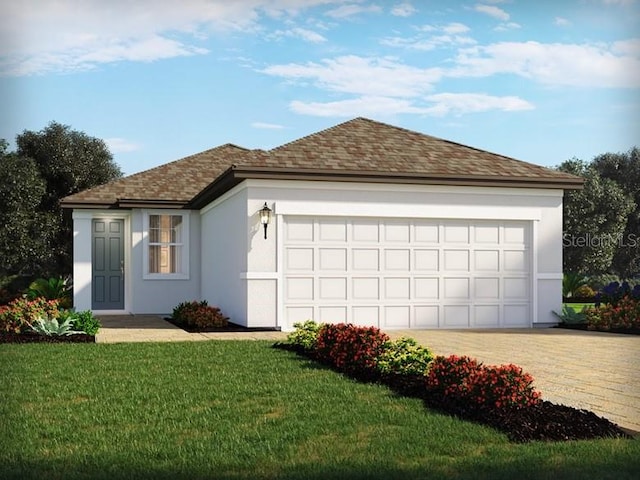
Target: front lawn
{"x": 578, "y": 307}
{"x": 241, "y": 409}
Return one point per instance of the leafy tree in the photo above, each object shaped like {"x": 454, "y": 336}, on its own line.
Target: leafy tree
{"x": 594, "y": 219}
{"x": 48, "y": 165}
{"x": 624, "y": 169}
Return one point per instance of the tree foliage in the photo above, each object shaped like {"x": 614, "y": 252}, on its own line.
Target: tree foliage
{"x": 48, "y": 165}
{"x": 598, "y": 219}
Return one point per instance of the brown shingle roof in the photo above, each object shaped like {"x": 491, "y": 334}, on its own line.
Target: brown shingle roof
{"x": 357, "y": 150}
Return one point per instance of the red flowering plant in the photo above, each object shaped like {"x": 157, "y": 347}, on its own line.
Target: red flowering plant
{"x": 199, "y": 315}
{"x": 624, "y": 314}
{"x": 21, "y": 312}
{"x": 463, "y": 380}
{"x": 350, "y": 349}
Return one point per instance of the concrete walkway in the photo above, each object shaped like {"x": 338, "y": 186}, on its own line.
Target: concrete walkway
{"x": 595, "y": 371}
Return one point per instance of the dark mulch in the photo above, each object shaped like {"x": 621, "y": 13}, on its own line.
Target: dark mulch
{"x": 544, "y": 422}
{"x": 583, "y": 327}
{"x": 230, "y": 327}
{"x": 29, "y": 337}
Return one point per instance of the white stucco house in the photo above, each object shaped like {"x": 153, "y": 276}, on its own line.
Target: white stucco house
{"x": 371, "y": 224}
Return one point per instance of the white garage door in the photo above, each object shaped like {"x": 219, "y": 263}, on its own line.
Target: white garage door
{"x": 407, "y": 273}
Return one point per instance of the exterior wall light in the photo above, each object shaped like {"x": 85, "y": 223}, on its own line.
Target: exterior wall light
{"x": 265, "y": 217}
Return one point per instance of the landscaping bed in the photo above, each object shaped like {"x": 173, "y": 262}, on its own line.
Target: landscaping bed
{"x": 30, "y": 337}
{"x": 229, "y": 327}
{"x": 585, "y": 328}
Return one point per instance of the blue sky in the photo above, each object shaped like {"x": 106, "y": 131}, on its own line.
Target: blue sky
{"x": 541, "y": 81}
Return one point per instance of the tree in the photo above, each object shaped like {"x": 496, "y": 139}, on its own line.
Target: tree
{"x": 48, "y": 165}
{"x": 594, "y": 219}
{"x": 624, "y": 169}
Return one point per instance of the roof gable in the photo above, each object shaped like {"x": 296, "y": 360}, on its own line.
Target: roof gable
{"x": 359, "y": 150}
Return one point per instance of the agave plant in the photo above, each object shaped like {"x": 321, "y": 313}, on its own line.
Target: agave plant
{"x": 51, "y": 327}
{"x": 571, "y": 282}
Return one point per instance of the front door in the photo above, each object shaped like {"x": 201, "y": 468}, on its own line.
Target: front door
{"x": 107, "y": 278}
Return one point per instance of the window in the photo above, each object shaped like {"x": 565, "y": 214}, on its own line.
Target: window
{"x": 166, "y": 246}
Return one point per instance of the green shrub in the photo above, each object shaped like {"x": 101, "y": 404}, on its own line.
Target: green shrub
{"x": 199, "y": 315}
{"x": 571, "y": 282}
{"x": 86, "y": 322}
{"x": 52, "y": 327}
{"x": 59, "y": 288}
{"x": 585, "y": 291}
{"x": 21, "y": 312}
{"x": 305, "y": 335}
{"x": 405, "y": 357}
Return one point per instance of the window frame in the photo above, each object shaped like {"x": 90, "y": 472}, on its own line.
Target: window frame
{"x": 184, "y": 244}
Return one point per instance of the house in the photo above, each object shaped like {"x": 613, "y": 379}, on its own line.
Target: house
{"x": 371, "y": 224}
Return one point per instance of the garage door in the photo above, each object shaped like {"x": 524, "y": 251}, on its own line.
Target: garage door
{"x": 407, "y": 273}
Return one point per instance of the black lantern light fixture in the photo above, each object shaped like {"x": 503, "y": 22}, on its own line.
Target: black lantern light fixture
{"x": 265, "y": 217}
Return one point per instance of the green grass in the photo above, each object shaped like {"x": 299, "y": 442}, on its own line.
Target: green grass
{"x": 242, "y": 410}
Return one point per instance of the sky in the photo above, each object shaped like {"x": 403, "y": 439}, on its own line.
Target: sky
{"x": 542, "y": 81}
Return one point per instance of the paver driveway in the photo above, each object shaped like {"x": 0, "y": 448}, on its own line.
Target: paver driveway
{"x": 596, "y": 371}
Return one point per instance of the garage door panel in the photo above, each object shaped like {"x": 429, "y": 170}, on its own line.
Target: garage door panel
{"x": 487, "y": 288}
{"x": 396, "y": 232}
{"x": 426, "y": 260}
{"x": 426, "y": 232}
{"x": 456, "y": 233}
{"x": 456, "y": 316}
{"x": 516, "y": 315}
{"x": 516, "y": 261}
{"x": 299, "y": 288}
{"x": 516, "y": 288}
{"x": 365, "y": 316}
{"x": 426, "y": 288}
{"x": 366, "y": 288}
{"x": 365, "y": 259}
{"x": 332, "y": 230}
{"x": 299, "y": 258}
{"x": 396, "y": 288}
{"x": 332, "y": 259}
{"x": 396, "y": 259}
{"x": 332, "y": 314}
{"x": 456, "y": 260}
{"x": 516, "y": 233}
{"x": 299, "y": 229}
{"x": 426, "y": 316}
{"x": 456, "y": 288}
{"x": 486, "y": 260}
{"x": 487, "y": 233}
{"x": 298, "y": 314}
{"x": 366, "y": 231}
{"x": 486, "y": 315}
{"x": 397, "y": 316}
{"x": 332, "y": 288}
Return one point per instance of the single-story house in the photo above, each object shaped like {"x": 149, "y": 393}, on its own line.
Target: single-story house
{"x": 370, "y": 224}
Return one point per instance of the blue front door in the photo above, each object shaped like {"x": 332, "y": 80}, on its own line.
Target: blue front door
{"x": 107, "y": 282}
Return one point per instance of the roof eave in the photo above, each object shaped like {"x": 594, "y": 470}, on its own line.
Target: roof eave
{"x": 237, "y": 174}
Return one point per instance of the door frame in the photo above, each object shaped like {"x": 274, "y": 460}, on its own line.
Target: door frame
{"x": 126, "y": 218}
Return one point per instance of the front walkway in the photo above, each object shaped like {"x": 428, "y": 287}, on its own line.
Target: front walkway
{"x": 595, "y": 371}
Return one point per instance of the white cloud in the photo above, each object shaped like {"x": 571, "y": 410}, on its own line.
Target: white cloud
{"x": 503, "y": 27}
{"x": 624, "y": 3}
{"x": 617, "y": 65}
{"x": 403, "y": 10}
{"x": 561, "y": 22}
{"x": 462, "y": 103}
{"x": 492, "y": 11}
{"x": 66, "y": 35}
{"x": 352, "y": 9}
{"x": 121, "y": 145}
{"x": 267, "y": 126}
{"x": 440, "y": 36}
{"x": 438, "y": 105}
{"x": 302, "y": 33}
{"x": 361, "y": 76}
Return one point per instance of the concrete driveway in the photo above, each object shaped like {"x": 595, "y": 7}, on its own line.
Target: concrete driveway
{"x": 591, "y": 370}
{"x": 595, "y": 371}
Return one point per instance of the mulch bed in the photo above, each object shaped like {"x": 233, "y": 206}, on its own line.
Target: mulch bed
{"x": 544, "y": 422}
{"x": 584, "y": 328}
{"x": 28, "y": 337}
{"x": 230, "y": 327}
